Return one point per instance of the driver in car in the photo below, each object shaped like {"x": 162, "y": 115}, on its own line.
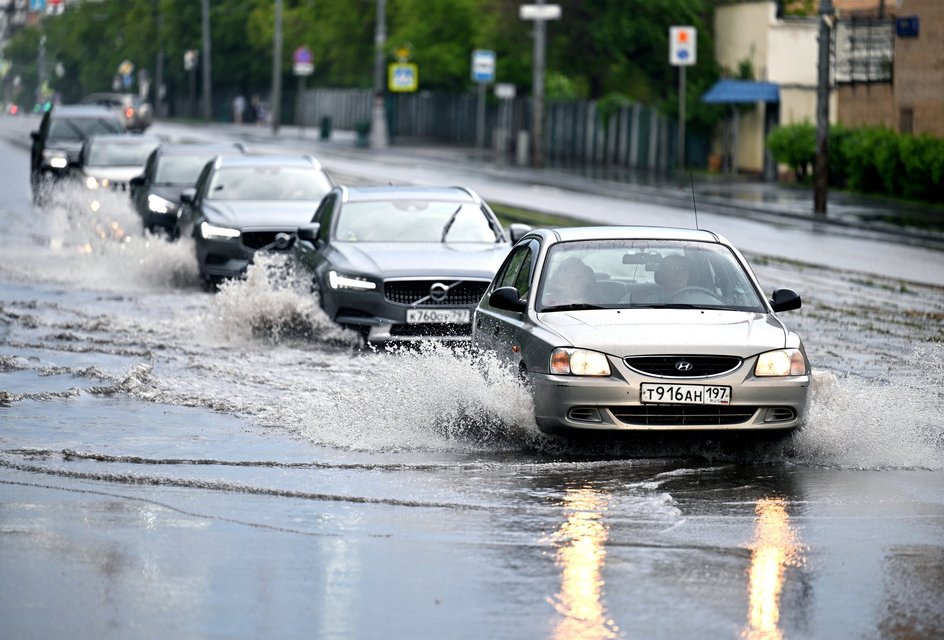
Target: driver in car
{"x": 673, "y": 275}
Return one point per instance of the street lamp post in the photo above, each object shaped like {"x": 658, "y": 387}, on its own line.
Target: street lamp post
{"x": 540, "y": 13}
{"x": 277, "y": 68}
{"x": 207, "y": 73}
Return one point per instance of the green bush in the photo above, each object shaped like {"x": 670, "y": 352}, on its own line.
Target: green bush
{"x": 870, "y": 159}
{"x": 795, "y": 146}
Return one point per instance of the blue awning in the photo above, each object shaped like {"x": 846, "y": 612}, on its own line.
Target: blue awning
{"x": 729, "y": 91}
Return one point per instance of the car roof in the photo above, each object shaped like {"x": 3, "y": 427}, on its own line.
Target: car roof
{"x": 267, "y": 161}
{"x": 629, "y": 232}
{"x": 201, "y": 148}
{"x": 407, "y": 192}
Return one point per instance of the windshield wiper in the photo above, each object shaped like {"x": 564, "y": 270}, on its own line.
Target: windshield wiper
{"x": 575, "y": 306}
{"x": 452, "y": 218}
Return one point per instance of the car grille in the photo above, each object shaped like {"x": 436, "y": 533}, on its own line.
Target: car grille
{"x": 665, "y": 366}
{"x": 256, "y": 240}
{"x": 431, "y": 330}
{"x": 461, "y": 293}
{"x": 685, "y": 415}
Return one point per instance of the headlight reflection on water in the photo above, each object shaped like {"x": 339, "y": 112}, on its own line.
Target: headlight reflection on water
{"x": 581, "y": 554}
{"x": 775, "y": 547}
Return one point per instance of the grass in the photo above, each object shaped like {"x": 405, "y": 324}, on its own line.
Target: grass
{"x": 536, "y": 219}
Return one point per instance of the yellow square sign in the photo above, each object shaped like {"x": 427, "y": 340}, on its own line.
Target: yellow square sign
{"x": 403, "y": 76}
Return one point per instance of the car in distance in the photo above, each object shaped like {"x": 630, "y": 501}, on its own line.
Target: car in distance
{"x": 242, "y": 204}
{"x": 644, "y": 329}
{"x": 58, "y": 141}
{"x": 170, "y": 169}
{"x": 403, "y": 263}
{"x": 135, "y": 112}
{"x": 111, "y": 161}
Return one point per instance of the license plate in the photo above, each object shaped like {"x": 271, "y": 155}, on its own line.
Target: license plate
{"x": 684, "y": 394}
{"x": 437, "y": 316}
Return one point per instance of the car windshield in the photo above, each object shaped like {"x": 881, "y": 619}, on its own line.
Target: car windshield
{"x": 119, "y": 154}
{"x": 621, "y": 274}
{"x": 180, "y": 170}
{"x": 268, "y": 183}
{"x": 414, "y": 221}
{"x": 78, "y": 129}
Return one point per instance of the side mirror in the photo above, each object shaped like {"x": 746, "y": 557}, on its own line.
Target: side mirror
{"x": 309, "y": 232}
{"x": 785, "y": 300}
{"x": 34, "y": 135}
{"x": 137, "y": 181}
{"x": 517, "y": 230}
{"x": 507, "y": 298}
{"x": 187, "y": 196}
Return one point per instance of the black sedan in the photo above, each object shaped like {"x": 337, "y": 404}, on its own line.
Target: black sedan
{"x": 58, "y": 141}
{"x": 403, "y": 263}
{"x": 170, "y": 169}
{"x": 244, "y": 204}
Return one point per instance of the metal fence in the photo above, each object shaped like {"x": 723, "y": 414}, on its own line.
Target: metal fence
{"x": 634, "y": 136}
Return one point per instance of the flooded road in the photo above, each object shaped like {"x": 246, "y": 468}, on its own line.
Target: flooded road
{"x": 181, "y": 464}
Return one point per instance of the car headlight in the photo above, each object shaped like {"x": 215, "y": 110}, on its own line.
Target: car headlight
{"x": 782, "y": 362}
{"x": 579, "y": 362}
{"x": 91, "y": 183}
{"x": 56, "y": 159}
{"x": 213, "y": 232}
{"x": 157, "y": 204}
{"x": 339, "y": 281}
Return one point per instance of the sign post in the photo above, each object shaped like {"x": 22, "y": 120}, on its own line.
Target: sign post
{"x": 539, "y": 13}
{"x": 682, "y": 53}
{"x": 483, "y": 72}
{"x": 303, "y": 65}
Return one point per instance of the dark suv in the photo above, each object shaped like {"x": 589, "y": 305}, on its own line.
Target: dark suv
{"x": 170, "y": 169}
{"x": 58, "y": 141}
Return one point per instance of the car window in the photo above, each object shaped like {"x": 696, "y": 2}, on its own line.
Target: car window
{"x": 77, "y": 129}
{"x": 180, "y": 170}
{"x": 323, "y": 216}
{"x": 413, "y": 221}
{"x": 516, "y": 271}
{"x": 119, "y": 154}
{"x": 268, "y": 183}
{"x": 631, "y": 273}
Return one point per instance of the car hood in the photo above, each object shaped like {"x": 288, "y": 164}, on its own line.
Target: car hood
{"x": 112, "y": 174}
{"x": 168, "y": 192}
{"x": 72, "y": 148}
{"x": 260, "y": 214}
{"x": 660, "y": 331}
{"x": 422, "y": 259}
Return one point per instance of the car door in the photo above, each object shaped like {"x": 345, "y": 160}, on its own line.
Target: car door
{"x": 496, "y": 329}
{"x": 312, "y": 254}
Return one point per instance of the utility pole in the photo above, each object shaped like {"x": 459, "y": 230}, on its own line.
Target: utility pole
{"x": 378, "y": 120}
{"x": 207, "y": 72}
{"x": 821, "y": 168}
{"x": 158, "y": 91}
{"x": 540, "y": 13}
{"x": 277, "y": 68}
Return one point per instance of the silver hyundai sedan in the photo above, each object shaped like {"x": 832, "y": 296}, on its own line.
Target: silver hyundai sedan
{"x": 644, "y": 329}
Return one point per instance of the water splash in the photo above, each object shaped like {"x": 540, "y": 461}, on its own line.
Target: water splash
{"x": 273, "y": 302}
{"x": 867, "y": 424}
{"x": 96, "y": 239}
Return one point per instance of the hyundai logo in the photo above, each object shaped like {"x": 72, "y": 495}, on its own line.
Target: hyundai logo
{"x": 683, "y": 365}
{"x": 438, "y": 292}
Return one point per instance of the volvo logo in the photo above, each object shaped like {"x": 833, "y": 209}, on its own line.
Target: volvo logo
{"x": 683, "y": 365}
{"x": 438, "y": 292}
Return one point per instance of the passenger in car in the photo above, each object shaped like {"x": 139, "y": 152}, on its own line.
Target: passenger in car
{"x": 573, "y": 282}
{"x": 672, "y": 275}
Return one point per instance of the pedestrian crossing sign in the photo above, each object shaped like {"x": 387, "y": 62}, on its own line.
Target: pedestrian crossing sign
{"x": 402, "y": 77}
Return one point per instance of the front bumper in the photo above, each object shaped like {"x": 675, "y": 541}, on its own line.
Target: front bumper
{"x": 575, "y": 403}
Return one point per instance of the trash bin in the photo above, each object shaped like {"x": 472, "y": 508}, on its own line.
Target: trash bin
{"x": 326, "y": 127}
{"x": 362, "y": 128}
